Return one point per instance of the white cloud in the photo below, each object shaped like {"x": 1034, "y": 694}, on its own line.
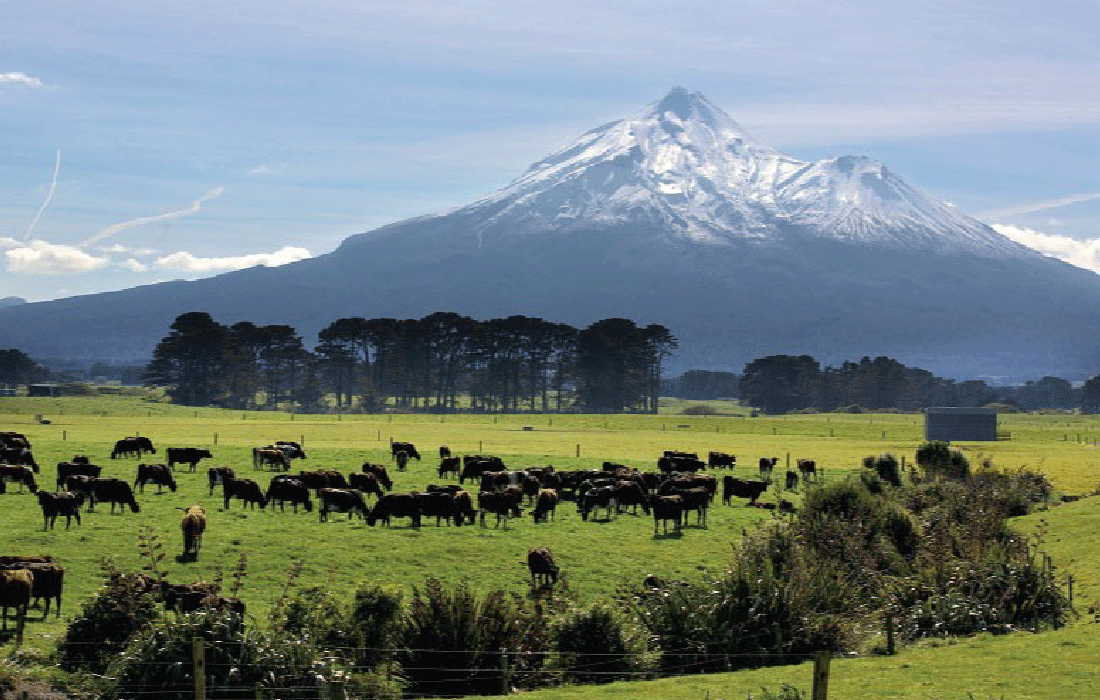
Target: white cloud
{"x": 191, "y": 263}
{"x": 1042, "y": 205}
{"x": 135, "y": 266}
{"x": 194, "y": 208}
{"x": 265, "y": 170}
{"x": 6, "y": 242}
{"x": 1081, "y": 253}
{"x": 42, "y": 258}
{"x": 116, "y": 248}
{"x": 20, "y": 78}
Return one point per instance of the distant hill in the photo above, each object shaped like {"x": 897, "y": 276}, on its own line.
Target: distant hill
{"x": 11, "y": 301}
{"x": 676, "y": 216}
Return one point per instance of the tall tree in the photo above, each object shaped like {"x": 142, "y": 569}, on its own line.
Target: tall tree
{"x": 191, "y": 360}
{"x": 781, "y": 383}
{"x": 16, "y": 367}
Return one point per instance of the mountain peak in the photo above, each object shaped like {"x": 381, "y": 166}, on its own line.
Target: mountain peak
{"x": 684, "y": 167}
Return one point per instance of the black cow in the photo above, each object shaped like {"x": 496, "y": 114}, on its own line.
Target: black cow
{"x": 473, "y": 466}
{"x": 630, "y": 494}
{"x": 323, "y": 479}
{"x": 791, "y": 482}
{"x": 502, "y": 504}
{"x": 158, "y": 474}
{"x": 285, "y": 489}
{"x": 696, "y": 499}
{"x": 187, "y": 455}
{"x": 347, "y": 501}
{"x": 264, "y": 456}
{"x": 540, "y": 562}
{"x": 19, "y": 455}
{"x": 444, "y": 452}
{"x": 245, "y": 490}
{"x": 67, "y": 469}
{"x": 808, "y": 469}
{"x": 48, "y": 583}
{"x": 292, "y": 450}
{"x": 767, "y": 464}
{"x": 380, "y": 473}
{"x": 366, "y": 483}
{"x": 721, "y": 459}
{"x": 113, "y": 491}
{"x": 21, "y": 474}
{"x": 680, "y": 462}
{"x": 82, "y": 484}
{"x": 593, "y": 498}
{"x": 667, "y": 508}
{"x": 397, "y": 505}
{"x": 449, "y": 465}
{"x": 546, "y": 504}
{"x": 402, "y": 458}
{"x": 442, "y": 505}
{"x": 219, "y": 475}
{"x": 690, "y": 481}
{"x": 407, "y": 447}
{"x": 55, "y": 504}
{"x": 132, "y": 447}
{"x": 9, "y": 438}
{"x": 741, "y": 488}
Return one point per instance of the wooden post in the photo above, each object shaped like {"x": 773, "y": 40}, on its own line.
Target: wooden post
{"x": 883, "y": 434}
{"x": 379, "y": 435}
{"x": 578, "y": 449}
{"x": 1071, "y": 590}
{"x": 821, "y": 676}
{"x": 890, "y": 634}
{"x": 505, "y": 680}
{"x": 64, "y": 435}
{"x": 215, "y": 438}
{"x": 479, "y": 447}
{"x": 302, "y": 440}
{"x": 198, "y": 659}
{"x": 196, "y": 414}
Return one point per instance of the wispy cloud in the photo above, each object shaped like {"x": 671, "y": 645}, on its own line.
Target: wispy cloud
{"x": 1081, "y": 253}
{"x": 1041, "y": 205}
{"x": 135, "y": 265}
{"x": 42, "y": 258}
{"x": 193, "y": 209}
{"x": 19, "y": 78}
{"x": 192, "y": 263}
{"x": 262, "y": 169}
{"x": 49, "y": 196}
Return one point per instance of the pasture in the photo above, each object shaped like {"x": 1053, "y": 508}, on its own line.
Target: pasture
{"x": 596, "y": 557}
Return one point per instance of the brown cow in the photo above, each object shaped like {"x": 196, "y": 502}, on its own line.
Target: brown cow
{"x": 193, "y": 525}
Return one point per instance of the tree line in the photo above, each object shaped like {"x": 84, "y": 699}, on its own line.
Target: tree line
{"x": 443, "y": 362}
{"x": 784, "y": 383}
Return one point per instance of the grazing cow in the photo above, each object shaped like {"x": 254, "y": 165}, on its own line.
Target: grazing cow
{"x": 283, "y": 489}
{"x": 593, "y": 498}
{"x": 449, "y": 465}
{"x": 113, "y": 491}
{"x": 292, "y": 450}
{"x": 464, "y": 506}
{"x": 9, "y": 438}
{"x": 502, "y": 504}
{"x": 22, "y": 475}
{"x": 347, "y": 501}
{"x": 791, "y": 482}
{"x": 380, "y": 473}
{"x": 546, "y": 504}
{"x": 707, "y": 482}
{"x": 55, "y": 504}
{"x": 721, "y": 459}
{"x": 397, "y": 505}
{"x": 48, "y": 584}
{"x": 189, "y": 597}
{"x": 767, "y": 464}
{"x": 187, "y": 455}
{"x": 667, "y": 508}
{"x": 80, "y": 459}
{"x": 402, "y": 458}
{"x": 132, "y": 447}
{"x": 16, "y": 587}
{"x": 18, "y": 455}
{"x": 742, "y": 488}
{"x": 193, "y": 525}
{"x": 67, "y": 469}
{"x": 158, "y": 474}
{"x": 531, "y": 487}
{"x": 473, "y": 466}
{"x": 246, "y": 490}
{"x": 807, "y": 468}
{"x": 322, "y": 479}
{"x": 630, "y": 494}
{"x": 81, "y": 484}
{"x": 273, "y": 456}
{"x": 696, "y": 499}
{"x": 219, "y": 475}
{"x": 407, "y": 447}
{"x": 540, "y": 562}
{"x": 442, "y": 505}
{"x": 444, "y": 452}
{"x": 680, "y": 462}
{"x": 366, "y": 483}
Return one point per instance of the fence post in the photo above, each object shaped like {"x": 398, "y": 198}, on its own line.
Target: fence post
{"x": 578, "y": 449}
{"x": 198, "y": 659}
{"x": 890, "y": 650}
{"x": 215, "y": 438}
{"x": 505, "y": 681}
{"x": 479, "y": 447}
{"x": 302, "y": 441}
{"x": 64, "y": 435}
{"x": 821, "y": 676}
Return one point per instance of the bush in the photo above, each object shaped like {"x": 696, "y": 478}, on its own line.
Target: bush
{"x": 698, "y": 410}
{"x": 888, "y": 469}
{"x": 939, "y": 461}
{"x": 376, "y": 620}
{"x": 593, "y": 646}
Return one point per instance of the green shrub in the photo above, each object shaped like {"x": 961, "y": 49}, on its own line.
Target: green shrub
{"x": 939, "y": 460}
{"x": 888, "y": 469}
{"x": 592, "y": 645}
{"x": 698, "y": 410}
{"x": 376, "y": 620}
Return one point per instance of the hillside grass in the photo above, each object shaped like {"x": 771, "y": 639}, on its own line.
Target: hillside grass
{"x": 597, "y": 558}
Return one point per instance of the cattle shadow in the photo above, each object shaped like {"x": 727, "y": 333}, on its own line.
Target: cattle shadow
{"x": 674, "y": 535}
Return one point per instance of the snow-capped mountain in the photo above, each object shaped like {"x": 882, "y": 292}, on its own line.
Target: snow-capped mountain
{"x": 674, "y": 215}
{"x": 683, "y": 164}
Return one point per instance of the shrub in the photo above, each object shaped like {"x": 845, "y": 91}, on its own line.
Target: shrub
{"x": 593, "y": 646}
{"x": 888, "y": 469}
{"x": 376, "y": 620}
{"x": 698, "y": 410}
{"x": 939, "y": 460}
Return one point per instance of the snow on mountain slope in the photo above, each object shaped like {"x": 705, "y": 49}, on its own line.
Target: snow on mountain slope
{"x": 683, "y": 166}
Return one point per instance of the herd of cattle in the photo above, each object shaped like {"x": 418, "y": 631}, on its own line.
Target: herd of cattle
{"x": 680, "y": 486}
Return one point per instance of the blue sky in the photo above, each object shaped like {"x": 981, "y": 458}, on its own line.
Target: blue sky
{"x": 192, "y": 137}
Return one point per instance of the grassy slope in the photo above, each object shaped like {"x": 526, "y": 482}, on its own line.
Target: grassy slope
{"x": 341, "y": 554}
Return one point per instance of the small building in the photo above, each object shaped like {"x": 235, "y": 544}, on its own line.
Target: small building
{"x": 47, "y": 390}
{"x": 7, "y": 393}
{"x": 960, "y": 424}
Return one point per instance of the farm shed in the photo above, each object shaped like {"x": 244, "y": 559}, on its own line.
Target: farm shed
{"x": 960, "y": 424}
{"x": 52, "y": 390}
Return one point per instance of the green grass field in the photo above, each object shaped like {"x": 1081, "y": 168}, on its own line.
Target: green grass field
{"x": 596, "y": 557}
